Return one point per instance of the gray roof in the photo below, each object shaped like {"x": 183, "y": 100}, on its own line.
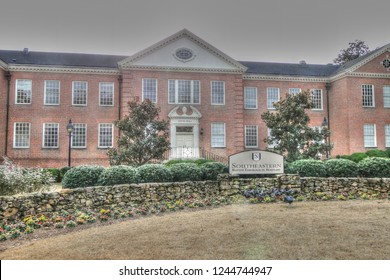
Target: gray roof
{"x": 289, "y": 69}
{"x": 110, "y": 61}
{"x": 60, "y": 59}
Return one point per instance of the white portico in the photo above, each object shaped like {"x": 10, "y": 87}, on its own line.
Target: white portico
{"x": 184, "y": 132}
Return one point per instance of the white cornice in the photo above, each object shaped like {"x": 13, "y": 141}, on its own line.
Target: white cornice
{"x": 56, "y": 69}
{"x": 285, "y": 78}
{"x": 3, "y": 65}
{"x": 126, "y": 63}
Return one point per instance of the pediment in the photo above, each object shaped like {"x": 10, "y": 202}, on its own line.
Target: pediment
{"x": 182, "y": 51}
{"x": 184, "y": 112}
{"x": 370, "y": 63}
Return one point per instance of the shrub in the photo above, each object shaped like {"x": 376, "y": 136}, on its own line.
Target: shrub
{"x": 63, "y": 171}
{"x": 55, "y": 173}
{"x": 308, "y": 168}
{"x": 155, "y": 173}
{"x": 186, "y": 172}
{"x": 15, "y": 179}
{"x": 376, "y": 153}
{"x": 82, "y": 176}
{"x": 120, "y": 174}
{"x": 341, "y": 168}
{"x": 212, "y": 169}
{"x": 374, "y": 167}
{"x": 357, "y": 157}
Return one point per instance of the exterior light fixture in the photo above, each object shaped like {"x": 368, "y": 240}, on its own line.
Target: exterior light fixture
{"x": 69, "y": 128}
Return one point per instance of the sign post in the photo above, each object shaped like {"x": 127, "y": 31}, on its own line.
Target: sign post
{"x": 256, "y": 162}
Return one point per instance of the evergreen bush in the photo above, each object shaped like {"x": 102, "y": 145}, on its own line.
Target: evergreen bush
{"x": 376, "y": 153}
{"x": 212, "y": 169}
{"x": 119, "y": 174}
{"x": 153, "y": 173}
{"x": 374, "y": 167}
{"x": 308, "y": 168}
{"x": 186, "y": 172}
{"x": 195, "y": 161}
{"x": 341, "y": 168}
{"x": 82, "y": 176}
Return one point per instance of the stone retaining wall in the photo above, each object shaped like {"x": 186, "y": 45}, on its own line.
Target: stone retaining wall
{"x": 127, "y": 195}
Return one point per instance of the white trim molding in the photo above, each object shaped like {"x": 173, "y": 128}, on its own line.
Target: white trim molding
{"x": 63, "y": 69}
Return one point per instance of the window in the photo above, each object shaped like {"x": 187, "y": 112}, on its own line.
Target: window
{"x": 218, "y": 135}
{"x": 106, "y": 94}
{"x": 386, "y": 96}
{"x": 250, "y": 98}
{"x": 316, "y": 99}
{"x": 79, "y": 135}
{"x": 50, "y": 135}
{"x": 387, "y": 135}
{"x": 22, "y": 135}
{"x": 23, "y": 91}
{"x": 183, "y": 91}
{"x": 149, "y": 89}
{"x": 368, "y": 95}
{"x": 272, "y": 144}
{"x": 217, "y": 92}
{"x": 79, "y": 93}
{"x": 272, "y": 97}
{"x": 52, "y": 93}
{"x": 105, "y": 135}
{"x": 369, "y": 135}
{"x": 294, "y": 91}
{"x": 251, "y": 136}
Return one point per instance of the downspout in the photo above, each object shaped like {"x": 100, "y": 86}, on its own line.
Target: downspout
{"x": 327, "y": 87}
{"x": 8, "y": 76}
{"x": 120, "y": 80}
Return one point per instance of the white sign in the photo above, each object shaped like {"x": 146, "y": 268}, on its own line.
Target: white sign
{"x": 256, "y": 162}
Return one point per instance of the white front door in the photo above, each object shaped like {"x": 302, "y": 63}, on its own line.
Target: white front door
{"x": 185, "y": 145}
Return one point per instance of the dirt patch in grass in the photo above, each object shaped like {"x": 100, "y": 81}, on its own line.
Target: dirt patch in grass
{"x": 307, "y": 230}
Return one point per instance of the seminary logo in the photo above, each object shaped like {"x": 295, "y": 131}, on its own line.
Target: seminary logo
{"x": 256, "y": 156}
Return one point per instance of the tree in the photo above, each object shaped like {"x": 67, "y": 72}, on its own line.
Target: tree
{"x": 143, "y": 136}
{"x": 291, "y": 134}
{"x": 355, "y": 50}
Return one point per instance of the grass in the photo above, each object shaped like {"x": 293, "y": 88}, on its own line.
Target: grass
{"x": 307, "y": 230}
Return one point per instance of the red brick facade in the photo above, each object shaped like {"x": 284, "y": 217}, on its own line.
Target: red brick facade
{"x": 346, "y": 114}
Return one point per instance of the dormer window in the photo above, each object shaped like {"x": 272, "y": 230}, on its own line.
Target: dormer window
{"x": 184, "y": 54}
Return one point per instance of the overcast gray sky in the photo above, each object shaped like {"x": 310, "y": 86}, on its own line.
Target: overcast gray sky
{"x": 273, "y": 30}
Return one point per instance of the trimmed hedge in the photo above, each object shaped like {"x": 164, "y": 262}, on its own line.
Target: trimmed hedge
{"x": 375, "y": 167}
{"x": 308, "y": 168}
{"x": 120, "y": 174}
{"x": 82, "y": 176}
{"x": 212, "y": 169}
{"x": 341, "y": 168}
{"x": 153, "y": 173}
{"x": 186, "y": 172}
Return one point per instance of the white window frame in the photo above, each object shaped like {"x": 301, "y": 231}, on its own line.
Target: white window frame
{"x": 372, "y": 95}
{"x": 367, "y": 145}
{"x": 314, "y": 91}
{"x": 257, "y": 136}
{"x": 16, "y": 91}
{"x": 58, "y": 136}
{"x": 387, "y": 135}
{"x": 100, "y": 94}
{"x": 85, "y": 136}
{"x": 212, "y": 93}
{"x": 143, "y": 93}
{"x": 294, "y": 91}
{"x": 112, "y": 136}
{"x": 270, "y": 105}
{"x": 176, "y": 92}
{"x": 45, "y": 93}
{"x": 86, "y": 93}
{"x": 246, "y": 98}
{"x": 386, "y": 96}
{"x": 29, "y": 135}
{"x": 212, "y": 135}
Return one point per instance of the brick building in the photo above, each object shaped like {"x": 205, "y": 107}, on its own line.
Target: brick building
{"x": 213, "y": 102}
